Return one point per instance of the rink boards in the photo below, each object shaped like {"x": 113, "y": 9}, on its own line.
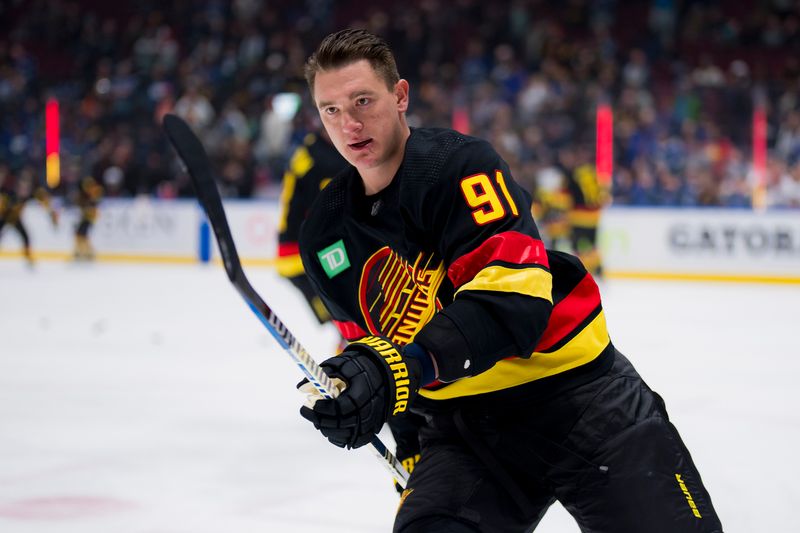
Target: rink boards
{"x": 724, "y": 244}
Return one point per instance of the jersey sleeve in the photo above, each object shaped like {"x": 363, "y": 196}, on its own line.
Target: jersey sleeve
{"x": 495, "y": 260}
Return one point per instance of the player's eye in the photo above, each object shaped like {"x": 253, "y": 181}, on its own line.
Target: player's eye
{"x": 329, "y": 110}
{"x": 362, "y": 101}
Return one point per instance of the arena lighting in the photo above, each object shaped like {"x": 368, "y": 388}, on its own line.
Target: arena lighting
{"x": 53, "y": 165}
{"x": 759, "y": 154}
{"x": 604, "y": 148}
{"x": 460, "y": 120}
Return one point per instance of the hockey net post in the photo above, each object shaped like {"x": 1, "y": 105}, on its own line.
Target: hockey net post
{"x": 193, "y": 157}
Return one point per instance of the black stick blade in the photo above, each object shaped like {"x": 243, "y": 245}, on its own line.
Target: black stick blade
{"x": 194, "y": 157}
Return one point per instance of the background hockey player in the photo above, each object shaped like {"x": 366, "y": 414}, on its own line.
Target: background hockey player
{"x": 550, "y": 206}
{"x": 14, "y": 194}
{"x": 310, "y": 169}
{"x": 424, "y": 246}
{"x": 588, "y": 197}
{"x": 86, "y": 198}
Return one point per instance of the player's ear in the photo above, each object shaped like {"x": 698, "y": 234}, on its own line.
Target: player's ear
{"x": 401, "y": 93}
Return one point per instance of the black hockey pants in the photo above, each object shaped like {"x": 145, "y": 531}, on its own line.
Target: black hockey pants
{"x": 605, "y": 449}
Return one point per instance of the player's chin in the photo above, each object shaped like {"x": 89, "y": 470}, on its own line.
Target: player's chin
{"x": 362, "y": 159}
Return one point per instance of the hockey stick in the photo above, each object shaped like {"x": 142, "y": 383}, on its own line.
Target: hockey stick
{"x": 193, "y": 155}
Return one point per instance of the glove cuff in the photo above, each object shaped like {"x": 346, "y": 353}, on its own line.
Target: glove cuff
{"x": 402, "y": 373}
{"x": 414, "y": 351}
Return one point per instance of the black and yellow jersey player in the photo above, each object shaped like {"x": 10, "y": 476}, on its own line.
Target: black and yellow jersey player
{"x": 424, "y": 246}
{"x": 550, "y": 207}
{"x": 311, "y": 167}
{"x": 86, "y": 197}
{"x": 588, "y": 197}
{"x": 14, "y": 195}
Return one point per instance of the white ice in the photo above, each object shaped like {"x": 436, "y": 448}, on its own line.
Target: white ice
{"x": 149, "y": 399}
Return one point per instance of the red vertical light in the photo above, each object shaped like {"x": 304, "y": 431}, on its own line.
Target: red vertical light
{"x": 759, "y": 154}
{"x": 604, "y": 148}
{"x": 460, "y": 120}
{"x": 53, "y": 166}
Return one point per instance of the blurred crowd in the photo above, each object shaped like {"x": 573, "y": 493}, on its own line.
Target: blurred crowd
{"x": 682, "y": 77}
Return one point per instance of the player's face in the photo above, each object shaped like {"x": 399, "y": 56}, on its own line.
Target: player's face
{"x": 363, "y": 117}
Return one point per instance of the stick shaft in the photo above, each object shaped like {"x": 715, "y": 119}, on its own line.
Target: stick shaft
{"x": 193, "y": 155}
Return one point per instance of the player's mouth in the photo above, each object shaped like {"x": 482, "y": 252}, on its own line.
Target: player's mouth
{"x": 360, "y": 145}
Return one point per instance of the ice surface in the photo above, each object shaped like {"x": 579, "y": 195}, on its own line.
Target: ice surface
{"x": 148, "y": 399}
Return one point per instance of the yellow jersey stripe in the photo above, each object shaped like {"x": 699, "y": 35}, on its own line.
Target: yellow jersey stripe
{"x": 584, "y": 218}
{"x": 289, "y": 266}
{"x": 535, "y": 282}
{"x": 581, "y": 349}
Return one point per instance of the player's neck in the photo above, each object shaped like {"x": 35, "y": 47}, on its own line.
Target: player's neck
{"x": 377, "y": 179}
{"x": 380, "y": 176}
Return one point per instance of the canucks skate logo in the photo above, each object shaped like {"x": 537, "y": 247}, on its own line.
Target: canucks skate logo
{"x": 398, "y": 298}
{"x": 334, "y": 259}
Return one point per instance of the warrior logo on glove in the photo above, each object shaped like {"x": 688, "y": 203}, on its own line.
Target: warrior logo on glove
{"x": 398, "y": 367}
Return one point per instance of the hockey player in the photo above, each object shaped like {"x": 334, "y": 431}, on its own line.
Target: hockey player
{"x": 310, "y": 169}
{"x": 588, "y": 198}
{"x": 551, "y": 203}
{"x": 425, "y": 248}
{"x": 86, "y": 197}
{"x": 14, "y": 196}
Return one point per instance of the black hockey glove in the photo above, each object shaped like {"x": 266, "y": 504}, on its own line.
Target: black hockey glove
{"x": 380, "y": 383}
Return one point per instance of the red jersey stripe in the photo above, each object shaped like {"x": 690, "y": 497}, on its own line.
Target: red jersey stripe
{"x": 570, "y": 312}
{"x": 288, "y": 248}
{"x": 350, "y": 330}
{"x": 510, "y": 246}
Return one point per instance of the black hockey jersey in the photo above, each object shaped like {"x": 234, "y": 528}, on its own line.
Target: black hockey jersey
{"x": 87, "y": 197}
{"x": 448, "y": 256}
{"x": 587, "y": 196}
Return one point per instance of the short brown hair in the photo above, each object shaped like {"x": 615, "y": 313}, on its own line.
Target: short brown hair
{"x": 348, "y": 46}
